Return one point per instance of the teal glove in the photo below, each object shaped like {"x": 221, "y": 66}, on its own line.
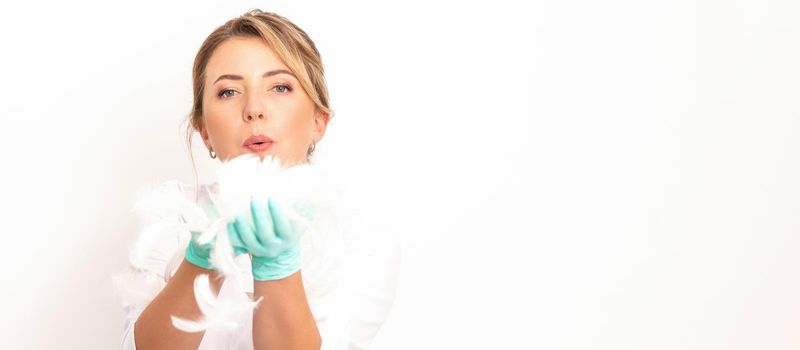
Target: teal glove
{"x": 200, "y": 254}
{"x": 272, "y": 239}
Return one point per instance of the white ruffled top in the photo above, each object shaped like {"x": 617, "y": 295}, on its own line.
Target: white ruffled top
{"x": 350, "y": 292}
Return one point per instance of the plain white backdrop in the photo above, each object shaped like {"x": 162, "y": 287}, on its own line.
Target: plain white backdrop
{"x": 565, "y": 174}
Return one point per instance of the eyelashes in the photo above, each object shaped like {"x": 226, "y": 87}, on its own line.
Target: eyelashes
{"x": 286, "y": 88}
{"x": 223, "y": 93}
{"x": 280, "y": 89}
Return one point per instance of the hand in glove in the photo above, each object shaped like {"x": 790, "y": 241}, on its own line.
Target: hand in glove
{"x": 271, "y": 238}
{"x": 200, "y": 254}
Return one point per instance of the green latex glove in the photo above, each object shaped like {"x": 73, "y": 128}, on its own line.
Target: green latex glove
{"x": 200, "y": 254}
{"x": 271, "y": 238}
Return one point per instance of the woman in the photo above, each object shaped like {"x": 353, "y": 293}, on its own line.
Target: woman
{"x": 259, "y": 89}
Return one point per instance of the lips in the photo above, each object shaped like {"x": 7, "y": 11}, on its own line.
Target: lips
{"x": 256, "y": 139}
{"x": 257, "y": 143}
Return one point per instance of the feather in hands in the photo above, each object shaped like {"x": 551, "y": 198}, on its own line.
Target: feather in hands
{"x": 298, "y": 189}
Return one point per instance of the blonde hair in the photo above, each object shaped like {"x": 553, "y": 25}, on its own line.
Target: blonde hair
{"x": 290, "y": 43}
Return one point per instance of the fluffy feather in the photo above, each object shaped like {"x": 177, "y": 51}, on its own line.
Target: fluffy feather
{"x": 212, "y": 230}
{"x": 299, "y": 190}
{"x": 149, "y": 237}
{"x": 222, "y": 257}
{"x": 236, "y": 178}
{"x": 167, "y": 210}
{"x": 216, "y": 313}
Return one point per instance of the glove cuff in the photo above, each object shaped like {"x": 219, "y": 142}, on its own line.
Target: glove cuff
{"x": 196, "y": 257}
{"x": 282, "y": 266}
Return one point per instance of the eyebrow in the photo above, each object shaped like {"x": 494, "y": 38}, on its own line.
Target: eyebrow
{"x": 265, "y": 75}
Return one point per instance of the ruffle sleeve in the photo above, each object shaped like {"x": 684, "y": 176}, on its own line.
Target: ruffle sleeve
{"x": 144, "y": 276}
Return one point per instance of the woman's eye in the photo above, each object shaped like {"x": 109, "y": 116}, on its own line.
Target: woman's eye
{"x": 226, "y": 93}
{"x": 283, "y": 88}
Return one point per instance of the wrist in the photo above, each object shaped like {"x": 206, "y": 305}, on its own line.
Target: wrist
{"x": 279, "y": 267}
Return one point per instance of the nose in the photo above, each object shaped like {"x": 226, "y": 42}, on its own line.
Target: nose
{"x": 251, "y": 116}
{"x": 254, "y": 110}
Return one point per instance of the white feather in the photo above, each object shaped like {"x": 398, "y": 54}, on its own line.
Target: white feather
{"x": 222, "y": 256}
{"x": 188, "y": 326}
{"x": 300, "y": 190}
{"x": 148, "y": 238}
{"x": 236, "y": 179}
{"x": 211, "y": 231}
{"x": 164, "y": 206}
{"x": 217, "y": 313}
{"x": 193, "y": 215}
{"x": 203, "y": 294}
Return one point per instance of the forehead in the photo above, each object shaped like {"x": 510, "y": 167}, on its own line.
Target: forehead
{"x": 242, "y": 56}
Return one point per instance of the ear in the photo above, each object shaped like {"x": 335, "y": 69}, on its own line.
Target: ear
{"x": 203, "y": 132}
{"x": 320, "y": 124}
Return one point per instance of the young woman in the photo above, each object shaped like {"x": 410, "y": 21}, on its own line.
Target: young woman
{"x": 259, "y": 89}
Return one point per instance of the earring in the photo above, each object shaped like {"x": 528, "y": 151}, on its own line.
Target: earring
{"x": 312, "y": 148}
{"x": 211, "y": 153}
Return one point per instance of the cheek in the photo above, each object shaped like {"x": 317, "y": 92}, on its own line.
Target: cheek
{"x": 214, "y": 111}
{"x": 295, "y": 137}
{"x": 295, "y": 124}
{"x": 221, "y": 128}
{"x": 220, "y": 113}
{"x": 302, "y": 127}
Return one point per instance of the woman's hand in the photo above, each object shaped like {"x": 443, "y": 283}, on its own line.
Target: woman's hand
{"x": 271, "y": 239}
{"x": 200, "y": 254}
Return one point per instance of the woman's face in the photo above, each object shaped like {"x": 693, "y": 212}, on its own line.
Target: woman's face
{"x": 250, "y": 92}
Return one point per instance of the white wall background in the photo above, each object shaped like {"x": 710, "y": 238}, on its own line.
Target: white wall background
{"x": 567, "y": 174}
